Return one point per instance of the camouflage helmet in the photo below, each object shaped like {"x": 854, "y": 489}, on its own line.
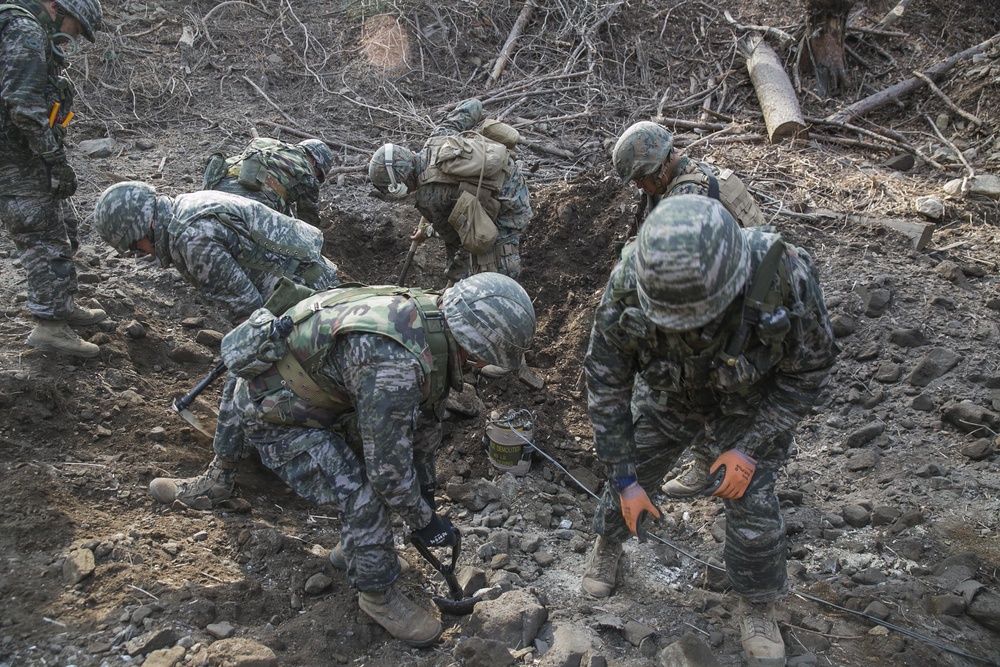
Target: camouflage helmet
{"x": 641, "y": 150}
{"x": 123, "y": 214}
{"x": 491, "y": 318}
{"x": 87, "y": 12}
{"x": 692, "y": 260}
{"x": 321, "y": 154}
{"x": 389, "y": 168}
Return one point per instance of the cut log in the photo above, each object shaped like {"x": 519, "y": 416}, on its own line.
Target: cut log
{"x": 893, "y": 93}
{"x": 782, "y": 115}
{"x": 919, "y": 232}
{"x": 508, "y": 47}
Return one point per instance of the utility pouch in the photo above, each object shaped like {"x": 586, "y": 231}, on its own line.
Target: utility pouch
{"x": 734, "y": 196}
{"x": 215, "y": 171}
{"x": 253, "y": 346}
{"x": 475, "y": 228}
{"x": 285, "y": 295}
{"x": 252, "y": 173}
{"x": 501, "y": 132}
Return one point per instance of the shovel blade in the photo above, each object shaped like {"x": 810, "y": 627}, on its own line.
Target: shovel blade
{"x": 456, "y": 607}
{"x": 206, "y": 427}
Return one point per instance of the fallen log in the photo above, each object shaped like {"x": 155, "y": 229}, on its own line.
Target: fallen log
{"x": 918, "y": 231}
{"x": 782, "y": 116}
{"x": 515, "y": 33}
{"x": 893, "y": 93}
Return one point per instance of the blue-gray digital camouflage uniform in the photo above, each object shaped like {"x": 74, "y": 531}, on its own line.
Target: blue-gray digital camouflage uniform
{"x": 435, "y": 202}
{"x": 653, "y": 394}
{"x": 44, "y": 229}
{"x": 288, "y": 182}
{"x": 370, "y": 451}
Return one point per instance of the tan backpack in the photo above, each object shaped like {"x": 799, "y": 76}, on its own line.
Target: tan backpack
{"x": 728, "y": 189}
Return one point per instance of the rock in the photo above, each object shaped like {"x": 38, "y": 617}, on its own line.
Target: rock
{"x": 588, "y": 479}
{"x": 971, "y": 418}
{"x": 477, "y": 652}
{"x": 857, "y": 516}
{"x": 909, "y": 518}
{"x": 79, "y": 565}
{"x": 193, "y": 322}
{"x": 931, "y": 469}
{"x": 140, "y": 614}
{"x": 135, "y": 330}
{"x": 986, "y": 185}
{"x": 209, "y": 338}
{"x": 936, "y": 363}
{"x": 543, "y": 558}
{"x": 529, "y": 377}
{"x": 221, "y": 630}
{"x": 878, "y": 610}
{"x": 842, "y": 325}
{"x": 513, "y": 619}
{"x": 151, "y": 641}
{"x": 888, "y": 372}
{"x": 471, "y": 579}
{"x": 688, "y": 651}
{"x": 945, "y": 605}
{"x": 929, "y": 206}
{"x": 923, "y": 402}
{"x": 241, "y": 652}
{"x": 144, "y": 144}
{"x": 97, "y": 148}
{"x": 908, "y": 337}
{"x": 571, "y": 643}
{"x": 869, "y": 576}
{"x": 951, "y": 272}
{"x": 165, "y": 657}
{"x": 864, "y": 435}
{"x": 475, "y": 495}
{"x": 634, "y": 632}
{"x": 465, "y": 402}
{"x": 985, "y": 609}
{"x": 877, "y": 302}
{"x": 317, "y": 583}
{"x": 977, "y": 450}
{"x": 191, "y": 353}
{"x": 807, "y": 659}
{"x": 900, "y": 162}
{"x": 861, "y": 460}
{"x": 883, "y": 515}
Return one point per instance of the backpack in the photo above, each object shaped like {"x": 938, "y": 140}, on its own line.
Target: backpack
{"x": 728, "y": 189}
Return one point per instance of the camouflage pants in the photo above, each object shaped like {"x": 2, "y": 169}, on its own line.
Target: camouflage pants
{"x": 324, "y": 466}
{"x": 229, "y": 443}
{"x": 755, "y": 550}
{"x": 44, "y": 241}
{"x": 463, "y": 264}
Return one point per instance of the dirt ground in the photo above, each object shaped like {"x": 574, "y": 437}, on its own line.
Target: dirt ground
{"x": 892, "y": 497}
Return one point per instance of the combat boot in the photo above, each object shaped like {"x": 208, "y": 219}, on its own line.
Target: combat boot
{"x": 56, "y": 336}
{"x": 84, "y": 317}
{"x": 760, "y": 635}
{"x": 601, "y": 573}
{"x": 403, "y": 619}
{"x": 690, "y": 482}
{"x": 339, "y": 561}
{"x": 210, "y": 488}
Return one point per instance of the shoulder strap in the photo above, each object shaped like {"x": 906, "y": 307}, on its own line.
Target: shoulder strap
{"x": 755, "y": 300}
{"x": 8, "y": 7}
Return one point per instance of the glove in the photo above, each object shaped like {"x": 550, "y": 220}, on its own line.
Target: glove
{"x": 62, "y": 178}
{"x": 634, "y": 503}
{"x": 440, "y": 532}
{"x": 427, "y": 493}
{"x": 731, "y": 474}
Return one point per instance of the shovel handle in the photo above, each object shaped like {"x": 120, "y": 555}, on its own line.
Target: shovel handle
{"x": 185, "y": 401}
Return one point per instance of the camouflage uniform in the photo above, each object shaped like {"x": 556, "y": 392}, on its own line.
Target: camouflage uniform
{"x": 678, "y": 396}
{"x": 371, "y": 450}
{"x": 290, "y": 185}
{"x": 435, "y": 202}
{"x": 685, "y": 166}
{"x": 42, "y": 226}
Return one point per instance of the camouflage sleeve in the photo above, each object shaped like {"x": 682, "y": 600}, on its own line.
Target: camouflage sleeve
{"x": 386, "y": 382}
{"x": 435, "y": 202}
{"x": 810, "y": 352}
{"x": 464, "y": 117}
{"x": 307, "y": 203}
{"x": 23, "y": 82}
{"x": 515, "y": 204}
{"x": 206, "y": 257}
{"x": 610, "y": 367}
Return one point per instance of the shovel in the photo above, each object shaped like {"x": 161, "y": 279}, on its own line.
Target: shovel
{"x": 182, "y": 405}
{"x": 459, "y": 605}
{"x": 422, "y": 226}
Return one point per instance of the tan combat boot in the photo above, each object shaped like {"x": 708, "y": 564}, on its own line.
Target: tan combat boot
{"x": 84, "y": 317}
{"x": 56, "y": 336}
{"x": 339, "y": 561}
{"x": 760, "y": 635}
{"x": 601, "y": 573}
{"x": 403, "y": 619}
{"x": 209, "y": 488}
{"x": 690, "y": 482}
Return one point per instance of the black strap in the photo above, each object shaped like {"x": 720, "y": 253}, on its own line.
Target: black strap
{"x": 753, "y": 302}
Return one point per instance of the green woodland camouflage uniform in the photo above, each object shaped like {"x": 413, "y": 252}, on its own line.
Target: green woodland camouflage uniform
{"x": 290, "y": 185}
{"x": 43, "y": 227}
{"x": 652, "y": 394}
{"x": 369, "y": 450}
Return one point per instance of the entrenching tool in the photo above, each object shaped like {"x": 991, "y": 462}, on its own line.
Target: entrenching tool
{"x": 422, "y": 226}
{"x": 459, "y": 605}
{"x": 182, "y": 405}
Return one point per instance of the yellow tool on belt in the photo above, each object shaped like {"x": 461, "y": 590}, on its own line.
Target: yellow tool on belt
{"x": 52, "y": 114}
{"x": 67, "y": 119}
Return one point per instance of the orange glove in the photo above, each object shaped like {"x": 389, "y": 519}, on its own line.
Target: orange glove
{"x": 732, "y": 473}
{"x": 634, "y": 503}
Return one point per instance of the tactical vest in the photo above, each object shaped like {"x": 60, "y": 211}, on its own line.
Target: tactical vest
{"x": 728, "y": 189}
{"x": 410, "y": 317}
{"x": 475, "y": 164}
{"x": 260, "y": 168}
{"x": 731, "y": 353}
{"x": 57, "y": 89}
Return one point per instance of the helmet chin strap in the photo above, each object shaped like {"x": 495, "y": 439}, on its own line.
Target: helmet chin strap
{"x": 396, "y": 190}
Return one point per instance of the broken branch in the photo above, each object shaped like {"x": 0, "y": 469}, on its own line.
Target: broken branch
{"x": 515, "y": 32}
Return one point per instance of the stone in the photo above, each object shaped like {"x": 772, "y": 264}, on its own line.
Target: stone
{"x": 986, "y": 185}
{"x": 877, "y": 302}
{"x": 888, "y": 372}
{"x": 543, "y": 558}
{"x": 165, "y": 657}
{"x": 79, "y": 565}
{"x": 240, "y": 652}
{"x": 145, "y": 144}
{"x": 475, "y": 495}
{"x": 883, "y": 515}
{"x": 530, "y": 377}
{"x": 135, "y": 330}
{"x": 317, "y": 583}
{"x": 937, "y": 362}
{"x": 856, "y": 516}
{"x": 478, "y": 652}
{"x": 465, "y": 402}
{"x": 471, "y": 579}
{"x": 971, "y": 418}
{"x": 864, "y": 435}
{"x": 842, "y": 325}
{"x": 688, "y": 651}
{"x": 634, "y": 632}
{"x": 863, "y": 459}
{"x": 209, "y": 338}
{"x": 900, "y": 162}
{"x": 97, "y": 148}
{"x": 923, "y": 402}
{"x": 514, "y": 618}
{"x": 151, "y": 641}
{"x": 929, "y": 206}
{"x": 191, "y": 353}
{"x": 985, "y": 609}
{"x": 869, "y": 576}
{"x": 908, "y": 337}
{"x": 571, "y": 643}
{"x": 977, "y": 450}
{"x": 878, "y": 610}
{"x": 945, "y": 605}
{"x": 220, "y": 630}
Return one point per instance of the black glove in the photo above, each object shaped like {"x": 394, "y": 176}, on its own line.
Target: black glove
{"x": 440, "y": 532}
{"x": 62, "y": 178}
{"x": 427, "y": 493}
